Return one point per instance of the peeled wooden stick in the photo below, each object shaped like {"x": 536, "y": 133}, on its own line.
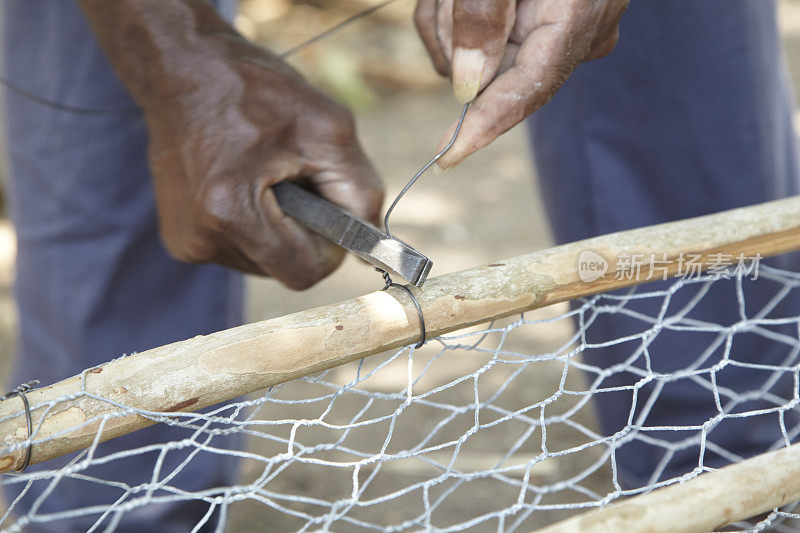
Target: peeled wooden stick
{"x": 705, "y": 503}
{"x": 206, "y": 370}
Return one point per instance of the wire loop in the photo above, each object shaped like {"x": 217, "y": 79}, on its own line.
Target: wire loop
{"x": 20, "y": 391}
{"x": 389, "y": 283}
{"x": 421, "y": 171}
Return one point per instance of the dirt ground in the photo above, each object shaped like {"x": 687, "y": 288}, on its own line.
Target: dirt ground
{"x": 486, "y": 209}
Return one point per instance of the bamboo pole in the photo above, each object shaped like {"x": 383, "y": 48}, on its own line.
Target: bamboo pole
{"x": 206, "y": 370}
{"x": 705, "y": 503}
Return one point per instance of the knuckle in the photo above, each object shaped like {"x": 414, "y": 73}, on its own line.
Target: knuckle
{"x": 328, "y": 259}
{"x": 364, "y": 195}
{"x": 326, "y": 268}
{"x": 441, "y": 67}
{"x": 217, "y": 207}
{"x": 335, "y": 123}
{"x": 213, "y": 219}
{"x": 610, "y": 45}
{"x": 376, "y": 193}
{"x": 425, "y": 16}
{"x": 614, "y": 38}
{"x": 420, "y": 16}
{"x": 298, "y": 265}
{"x": 620, "y": 7}
{"x": 306, "y": 277}
{"x": 191, "y": 248}
{"x": 301, "y": 283}
{"x": 480, "y": 24}
{"x": 189, "y": 236}
{"x": 374, "y": 196}
{"x": 606, "y": 47}
{"x": 341, "y": 124}
{"x": 491, "y": 13}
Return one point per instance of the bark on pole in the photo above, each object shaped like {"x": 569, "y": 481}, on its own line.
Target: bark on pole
{"x": 206, "y": 370}
{"x": 705, "y": 503}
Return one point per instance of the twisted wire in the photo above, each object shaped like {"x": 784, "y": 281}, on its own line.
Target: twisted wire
{"x": 20, "y": 391}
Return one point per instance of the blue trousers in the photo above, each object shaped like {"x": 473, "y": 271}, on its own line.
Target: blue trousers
{"x": 93, "y": 280}
{"x": 691, "y": 114}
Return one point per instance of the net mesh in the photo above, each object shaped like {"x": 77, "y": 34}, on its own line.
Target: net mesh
{"x": 505, "y": 427}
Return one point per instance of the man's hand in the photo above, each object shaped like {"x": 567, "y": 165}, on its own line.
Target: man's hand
{"x": 227, "y": 120}
{"x": 519, "y": 53}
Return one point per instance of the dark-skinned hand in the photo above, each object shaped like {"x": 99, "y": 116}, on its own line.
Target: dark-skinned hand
{"x": 227, "y": 120}
{"x": 516, "y": 54}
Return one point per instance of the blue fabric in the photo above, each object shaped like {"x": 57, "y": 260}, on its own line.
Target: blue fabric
{"x": 690, "y": 115}
{"x": 93, "y": 279}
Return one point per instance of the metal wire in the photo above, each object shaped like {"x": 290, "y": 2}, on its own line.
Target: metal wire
{"x": 386, "y": 278}
{"x": 389, "y": 283}
{"x": 338, "y": 26}
{"x": 330, "y": 31}
{"x": 11, "y": 86}
{"x": 421, "y": 171}
{"x": 133, "y": 110}
{"x": 20, "y": 391}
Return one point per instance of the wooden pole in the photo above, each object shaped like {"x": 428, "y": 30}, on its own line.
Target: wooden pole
{"x": 206, "y": 370}
{"x": 705, "y": 503}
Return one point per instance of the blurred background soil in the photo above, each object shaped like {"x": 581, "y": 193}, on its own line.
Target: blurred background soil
{"x": 484, "y": 210}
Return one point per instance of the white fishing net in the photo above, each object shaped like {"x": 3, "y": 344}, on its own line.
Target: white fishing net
{"x": 491, "y": 429}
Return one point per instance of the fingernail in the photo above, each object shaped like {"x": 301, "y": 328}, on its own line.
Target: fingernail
{"x": 439, "y": 170}
{"x": 468, "y": 65}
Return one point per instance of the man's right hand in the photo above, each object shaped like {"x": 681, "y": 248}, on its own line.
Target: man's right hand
{"x": 227, "y": 120}
{"x": 518, "y": 53}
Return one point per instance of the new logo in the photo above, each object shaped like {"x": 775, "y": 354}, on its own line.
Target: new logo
{"x": 591, "y": 266}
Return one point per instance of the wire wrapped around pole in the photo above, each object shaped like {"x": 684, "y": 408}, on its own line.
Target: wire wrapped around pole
{"x": 133, "y": 392}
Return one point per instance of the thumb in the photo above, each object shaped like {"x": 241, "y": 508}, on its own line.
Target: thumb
{"x": 480, "y": 33}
